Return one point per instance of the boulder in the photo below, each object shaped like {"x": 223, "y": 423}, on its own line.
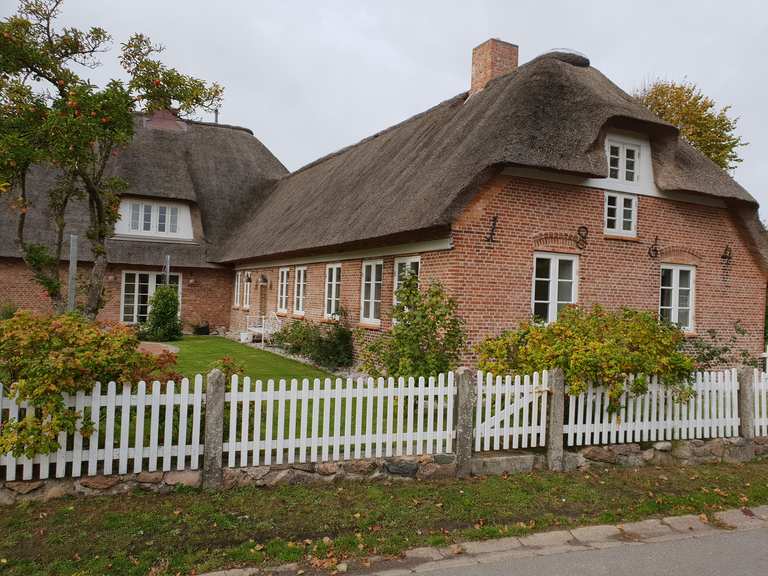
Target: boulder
{"x": 327, "y": 468}
{"x": 25, "y": 486}
{"x": 434, "y": 471}
{"x": 400, "y": 467}
{"x": 663, "y": 446}
{"x": 600, "y": 454}
{"x": 99, "y": 482}
{"x": 362, "y": 467}
{"x": 149, "y": 477}
{"x": 182, "y": 478}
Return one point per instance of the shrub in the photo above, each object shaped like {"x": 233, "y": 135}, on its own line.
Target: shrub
{"x": 594, "y": 346}
{"x": 427, "y": 335}
{"x": 7, "y": 310}
{"x": 43, "y": 357}
{"x": 163, "y": 323}
{"x": 328, "y": 345}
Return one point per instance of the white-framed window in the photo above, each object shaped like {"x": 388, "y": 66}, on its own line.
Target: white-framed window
{"x": 623, "y": 161}
{"x": 137, "y": 290}
{"x": 246, "y": 291}
{"x": 620, "y": 214}
{"x": 332, "y": 290}
{"x": 370, "y": 291}
{"x": 153, "y": 218}
{"x": 555, "y": 284}
{"x": 282, "y": 289}
{"x": 677, "y": 295}
{"x": 300, "y": 290}
{"x": 405, "y": 266}
{"x": 238, "y": 284}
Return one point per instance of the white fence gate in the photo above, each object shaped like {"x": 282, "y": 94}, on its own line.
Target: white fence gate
{"x": 761, "y": 403}
{"x": 511, "y": 412}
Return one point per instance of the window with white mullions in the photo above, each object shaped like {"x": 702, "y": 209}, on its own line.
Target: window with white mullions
{"x": 623, "y": 161}
{"x": 282, "y": 290}
{"x": 404, "y": 267}
{"x": 370, "y": 305}
{"x": 300, "y": 290}
{"x": 620, "y": 214}
{"x": 238, "y": 283}
{"x": 554, "y": 284}
{"x": 246, "y": 290}
{"x": 677, "y": 294}
{"x": 332, "y": 290}
{"x": 138, "y": 289}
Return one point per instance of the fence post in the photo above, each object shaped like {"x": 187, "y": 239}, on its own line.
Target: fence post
{"x": 555, "y": 420}
{"x": 214, "y": 429}
{"x": 746, "y": 376}
{"x": 466, "y": 394}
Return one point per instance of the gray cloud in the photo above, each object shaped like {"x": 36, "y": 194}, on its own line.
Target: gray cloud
{"x": 311, "y": 77}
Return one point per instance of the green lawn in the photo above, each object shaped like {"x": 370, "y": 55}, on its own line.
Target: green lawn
{"x": 197, "y": 353}
{"x": 191, "y": 531}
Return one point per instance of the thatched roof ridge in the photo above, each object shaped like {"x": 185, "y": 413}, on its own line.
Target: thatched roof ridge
{"x": 550, "y": 113}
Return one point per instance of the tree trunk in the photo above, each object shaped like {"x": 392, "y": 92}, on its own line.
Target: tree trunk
{"x": 94, "y": 301}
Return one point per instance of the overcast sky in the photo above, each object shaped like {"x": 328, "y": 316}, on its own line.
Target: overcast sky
{"x": 310, "y": 77}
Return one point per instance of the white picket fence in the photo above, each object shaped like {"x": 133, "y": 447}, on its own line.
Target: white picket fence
{"x": 511, "y": 411}
{"x": 712, "y": 412}
{"x": 147, "y": 429}
{"x": 339, "y": 419}
{"x": 151, "y": 427}
{"x": 761, "y": 403}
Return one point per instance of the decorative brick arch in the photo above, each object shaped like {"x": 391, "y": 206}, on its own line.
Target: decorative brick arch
{"x": 679, "y": 254}
{"x": 556, "y": 242}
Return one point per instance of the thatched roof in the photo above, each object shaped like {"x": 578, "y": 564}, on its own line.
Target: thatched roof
{"x": 550, "y": 113}
{"x": 219, "y": 169}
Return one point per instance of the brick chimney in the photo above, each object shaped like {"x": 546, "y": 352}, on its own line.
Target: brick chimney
{"x": 491, "y": 59}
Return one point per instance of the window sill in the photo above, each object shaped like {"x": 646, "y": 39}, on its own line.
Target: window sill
{"x": 282, "y": 313}
{"x": 369, "y": 325}
{"x": 619, "y": 237}
{"x": 297, "y": 315}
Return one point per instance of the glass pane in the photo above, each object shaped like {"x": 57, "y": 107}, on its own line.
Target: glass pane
{"x": 610, "y": 223}
{"x": 627, "y": 225}
{"x": 541, "y": 311}
{"x": 368, "y": 270}
{"x": 685, "y": 279}
{"x": 174, "y": 220}
{"x": 135, "y": 209}
{"x": 614, "y": 151}
{"x": 366, "y": 309}
{"x": 542, "y": 267}
{"x": 614, "y": 173}
{"x": 630, "y": 165}
{"x": 630, "y": 154}
{"x": 612, "y": 202}
{"x": 541, "y": 292}
{"x": 147, "y": 218}
{"x": 684, "y": 298}
{"x": 377, "y": 310}
{"x": 683, "y": 318}
{"x": 565, "y": 270}
{"x": 665, "y": 314}
{"x": 161, "y": 210}
{"x": 565, "y": 292}
{"x": 367, "y": 291}
{"x": 666, "y": 297}
{"x": 611, "y": 212}
{"x": 666, "y": 277}
{"x": 415, "y": 268}
{"x": 630, "y": 176}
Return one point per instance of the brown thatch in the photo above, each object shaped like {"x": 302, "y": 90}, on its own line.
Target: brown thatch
{"x": 219, "y": 169}
{"x": 550, "y": 113}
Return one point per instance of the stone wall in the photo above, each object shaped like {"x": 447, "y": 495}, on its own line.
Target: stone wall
{"x": 435, "y": 467}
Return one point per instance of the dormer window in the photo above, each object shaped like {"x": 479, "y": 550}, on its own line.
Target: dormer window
{"x": 153, "y": 218}
{"x": 623, "y": 161}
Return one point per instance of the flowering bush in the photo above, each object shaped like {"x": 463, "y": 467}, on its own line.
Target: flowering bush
{"x": 594, "y": 346}
{"x": 44, "y": 357}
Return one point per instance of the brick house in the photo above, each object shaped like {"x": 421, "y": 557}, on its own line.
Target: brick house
{"x": 543, "y": 185}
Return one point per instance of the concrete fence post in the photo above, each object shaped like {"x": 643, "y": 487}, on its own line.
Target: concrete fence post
{"x": 214, "y": 429}
{"x": 555, "y": 420}
{"x": 466, "y": 394}
{"x": 746, "y": 376}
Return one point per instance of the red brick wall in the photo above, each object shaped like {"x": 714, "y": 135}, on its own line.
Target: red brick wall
{"x": 206, "y": 293}
{"x": 492, "y": 281}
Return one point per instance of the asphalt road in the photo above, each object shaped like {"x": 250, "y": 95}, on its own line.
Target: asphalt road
{"x": 742, "y": 553}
